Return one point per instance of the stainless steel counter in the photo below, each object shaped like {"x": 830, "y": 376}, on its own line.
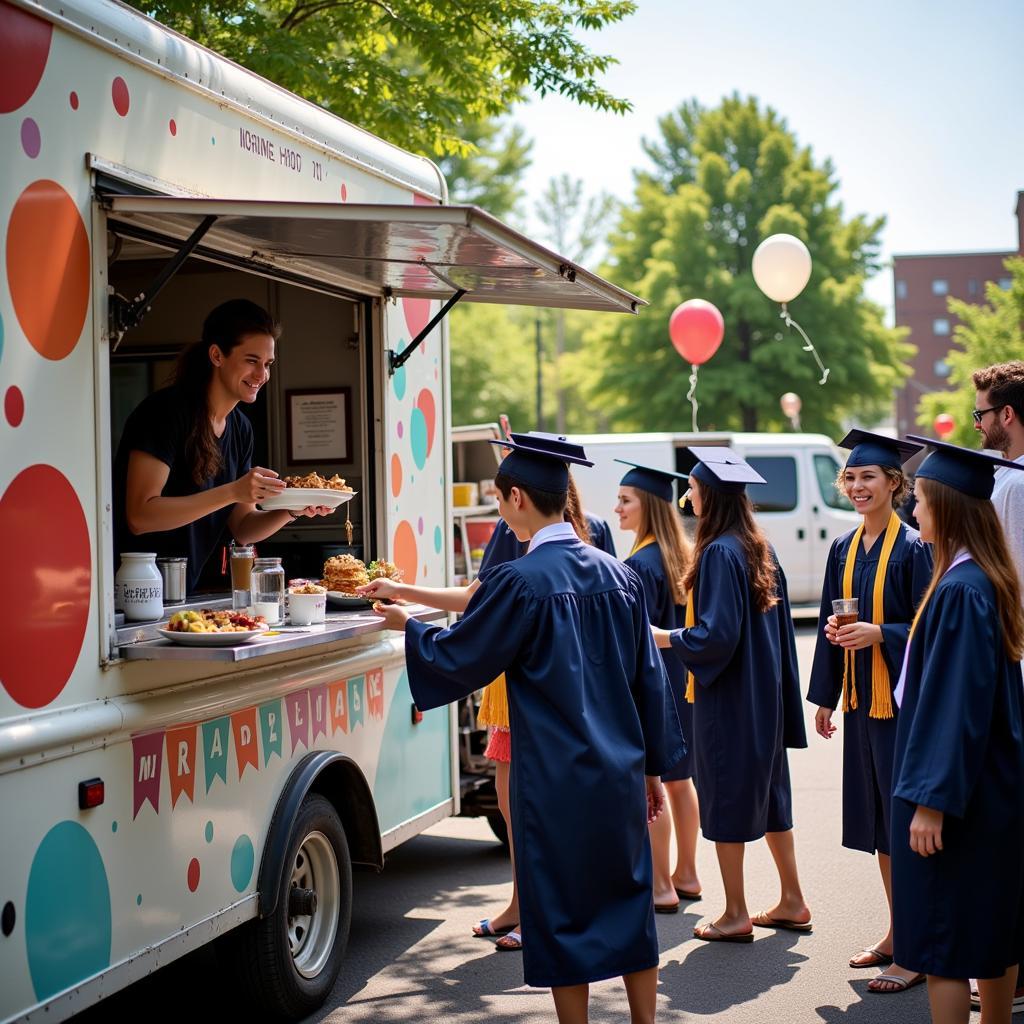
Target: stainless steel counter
{"x": 141, "y": 642}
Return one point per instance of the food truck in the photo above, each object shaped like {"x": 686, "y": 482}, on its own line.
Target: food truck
{"x": 158, "y": 796}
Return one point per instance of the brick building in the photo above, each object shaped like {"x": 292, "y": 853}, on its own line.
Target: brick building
{"x": 922, "y": 283}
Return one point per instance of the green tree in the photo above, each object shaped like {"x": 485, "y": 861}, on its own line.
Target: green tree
{"x": 986, "y": 334}
{"x": 491, "y": 174}
{"x": 722, "y": 180}
{"x": 410, "y": 70}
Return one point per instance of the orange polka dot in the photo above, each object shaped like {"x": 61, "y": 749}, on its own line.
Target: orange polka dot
{"x": 48, "y": 268}
{"x": 403, "y": 551}
{"x": 396, "y": 475}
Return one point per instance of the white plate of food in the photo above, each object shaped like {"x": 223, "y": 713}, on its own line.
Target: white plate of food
{"x": 295, "y": 499}
{"x": 340, "y": 600}
{"x": 221, "y": 639}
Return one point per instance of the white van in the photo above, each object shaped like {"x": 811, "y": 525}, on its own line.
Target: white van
{"x": 799, "y": 507}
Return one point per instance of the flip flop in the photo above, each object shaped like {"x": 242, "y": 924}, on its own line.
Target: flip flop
{"x": 666, "y": 908}
{"x": 902, "y": 984}
{"x": 484, "y": 930}
{"x": 712, "y": 933}
{"x": 511, "y": 942}
{"x": 874, "y": 958}
{"x": 765, "y": 920}
{"x": 685, "y": 894}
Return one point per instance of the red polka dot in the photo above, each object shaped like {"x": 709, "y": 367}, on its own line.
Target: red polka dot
{"x": 425, "y": 404}
{"x": 344, "y": 192}
{"x": 74, "y": 100}
{"x": 173, "y": 127}
{"x": 47, "y": 590}
{"x": 26, "y": 47}
{"x": 396, "y": 475}
{"x": 119, "y": 94}
{"x": 14, "y": 406}
{"x": 48, "y": 268}
{"x": 193, "y": 875}
{"x": 403, "y": 551}
{"x": 418, "y": 200}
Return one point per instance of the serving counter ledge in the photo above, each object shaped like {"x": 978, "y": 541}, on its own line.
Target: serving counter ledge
{"x": 142, "y": 642}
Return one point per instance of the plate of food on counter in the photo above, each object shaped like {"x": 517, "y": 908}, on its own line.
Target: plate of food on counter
{"x": 344, "y": 573}
{"x": 206, "y": 627}
{"x": 311, "y": 489}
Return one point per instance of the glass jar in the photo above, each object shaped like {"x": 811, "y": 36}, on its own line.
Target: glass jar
{"x": 140, "y": 586}
{"x": 241, "y": 561}
{"x": 268, "y": 589}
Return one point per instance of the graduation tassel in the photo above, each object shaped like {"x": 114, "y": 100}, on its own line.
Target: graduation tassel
{"x": 808, "y": 346}
{"x": 494, "y": 704}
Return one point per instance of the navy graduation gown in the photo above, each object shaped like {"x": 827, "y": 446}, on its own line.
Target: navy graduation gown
{"x": 664, "y": 613}
{"x": 747, "y": 706}
{"x": 504, "y": 546}
{"x": 960, "y": 750}
{"x": 868, "y": 743}
{"x": 591, "y": 714}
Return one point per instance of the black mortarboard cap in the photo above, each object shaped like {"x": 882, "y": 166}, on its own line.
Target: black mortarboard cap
{"x": 540, "y": 460}
{"x": 964, "y": 469}
{"x": 868, "y": 449}
{"x": 655, "y": 481}
{"x": 720, "y": 468}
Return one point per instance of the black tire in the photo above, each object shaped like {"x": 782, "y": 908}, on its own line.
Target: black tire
{"x": 271, "y": 968}
{"x": 499, "y": 828}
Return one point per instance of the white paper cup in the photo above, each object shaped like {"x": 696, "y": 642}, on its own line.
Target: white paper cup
{"x": 306, "y": 609}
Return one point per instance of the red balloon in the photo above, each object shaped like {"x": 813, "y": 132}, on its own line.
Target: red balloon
{"x": 696, "y": 328}
{"x": 944, "y": 424}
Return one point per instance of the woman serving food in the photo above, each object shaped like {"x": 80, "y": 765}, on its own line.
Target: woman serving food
{"x": 183, "y": 473}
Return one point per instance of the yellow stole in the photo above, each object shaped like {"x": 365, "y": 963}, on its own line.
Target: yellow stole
{"x": 648, "y": 540}
{"x": 494, "y": 704}
{"x": 881, "y": 692}
{"x": 690, "y": 620}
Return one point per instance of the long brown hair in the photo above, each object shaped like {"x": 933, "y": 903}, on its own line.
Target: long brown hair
{"x": 574, "y": 513}
{"x": 660, "y": 519}
{"x": 733, "y": 513}
{"x": 960, "y": 521}
{"x": 224, "y": 327}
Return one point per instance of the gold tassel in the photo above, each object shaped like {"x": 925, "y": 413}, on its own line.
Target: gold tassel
{"x": 494, "y": 704}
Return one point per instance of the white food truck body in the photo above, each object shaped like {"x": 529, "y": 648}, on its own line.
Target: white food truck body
{"x": 125, "y": 147}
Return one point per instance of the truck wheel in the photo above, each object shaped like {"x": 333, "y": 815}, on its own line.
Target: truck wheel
{"x": 499, "y": 828}
{"x": 290, "y": 960}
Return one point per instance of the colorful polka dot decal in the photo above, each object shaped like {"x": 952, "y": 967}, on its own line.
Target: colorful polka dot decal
{"x": 14, "y": 406}
{"x": 425, "y": 404}
{"x": 209, "y": 831}
{"x": 243, "y": 859}
{"x": 46, "y": 597}
{"x": 73, "y": 100}
{"x": 31, "y": 141}
{"x": 48, "y": 268}
{"x": 418, "y": 437}
{"x": 67, "y": 910}
{"x": 26, "y": 47}
{"x": 396, "y": 476}
{"x": 192, "y": 876}
{"x": 438, "y": 539}
{"x": 404, "y": 550}
{"x": 119, "y": 94}
{"x": 172, "y": 127}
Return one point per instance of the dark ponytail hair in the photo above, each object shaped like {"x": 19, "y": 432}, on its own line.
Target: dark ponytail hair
{"x": 224, "y": 327}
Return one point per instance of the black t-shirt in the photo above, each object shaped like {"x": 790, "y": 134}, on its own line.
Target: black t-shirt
{"x": 160, "y": 427}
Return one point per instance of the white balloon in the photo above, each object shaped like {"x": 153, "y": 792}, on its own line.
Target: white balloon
{"x": 782, "y": 267}
{"x": 790, "y": 403}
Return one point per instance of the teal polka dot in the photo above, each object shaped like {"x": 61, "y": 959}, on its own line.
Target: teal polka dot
{"x": 418, "y": 437}
{"x": 138, "y": 900}
{"x": 399, "y": 378}
{"x": 209, "y": 831}
{"x": 213, "y": 141}
{"x": 67, "y": 911}
{"x": 243, "y": 857}
{"x": 113, "y": 826}
{"x": 437, "y": 539}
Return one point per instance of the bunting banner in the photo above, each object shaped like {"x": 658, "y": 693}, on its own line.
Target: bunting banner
{"x": 375, "y": 693}
{"x": 318, "y": 710}
{"x": 355, "y": 702}
{"x": 181, "y": 762}
{"x": 147, "y": 762}
{"x": 337, "y": 695}
{"x": 297, "y": 708}
{"x": 271, "y": 729}
{"x": 216, "y": 734}
{"x": 243, "y": 730}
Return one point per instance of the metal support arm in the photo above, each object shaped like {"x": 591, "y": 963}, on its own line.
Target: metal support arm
{"x": 396, "y": 362}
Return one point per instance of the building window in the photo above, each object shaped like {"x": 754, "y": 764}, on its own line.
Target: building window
{"x": 1005, "y": 283}
{"x": 940, "y": 326}
{"x": 972, "y": 286}
{"x": 940, "y": 286}
{"x": 901, "y": 289}
{"x": 941, "y": 368}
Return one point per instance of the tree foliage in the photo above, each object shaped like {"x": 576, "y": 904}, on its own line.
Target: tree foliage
{"x": 722, "y": 180}
{"x": 410, "y": 70}
{"x": 986, "y": 334}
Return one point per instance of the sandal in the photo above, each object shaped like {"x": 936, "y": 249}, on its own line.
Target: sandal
{"x": 765, "y": 920}
{"x": 902, "y": 984}
{"x": 666, "y": 908}
{"x": 712, "y": 933}
{"x": 484, "y": 929}
{"x": 511, "y": 942}
{"x": 870, "y": 957}
{"x": 686, "y": 894}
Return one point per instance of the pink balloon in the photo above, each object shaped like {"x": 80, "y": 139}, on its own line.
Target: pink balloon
{"x": 944, "y": 424}
{"x": 696, "y": 328}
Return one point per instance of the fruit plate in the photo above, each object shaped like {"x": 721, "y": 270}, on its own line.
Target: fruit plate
{"x": 210, "y": 639}
{"x": 295, "y": 499}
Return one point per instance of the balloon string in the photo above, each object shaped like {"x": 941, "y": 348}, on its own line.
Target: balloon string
{"x": 809, "y": 347}
{"x": 692, "y": 396}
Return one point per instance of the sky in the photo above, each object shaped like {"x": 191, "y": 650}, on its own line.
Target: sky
{"x": 918, "y": 104}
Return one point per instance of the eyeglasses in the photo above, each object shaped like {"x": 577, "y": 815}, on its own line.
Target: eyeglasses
{"x": 978, "y": 413}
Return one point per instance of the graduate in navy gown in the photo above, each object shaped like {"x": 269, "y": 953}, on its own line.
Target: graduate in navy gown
{"x": 739, "y": 650}
{"x": 593, "y": 727}
{"x": 885, "y": 566}
{"x": 958, "y": 774}
{"x": 660, "y": 557}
